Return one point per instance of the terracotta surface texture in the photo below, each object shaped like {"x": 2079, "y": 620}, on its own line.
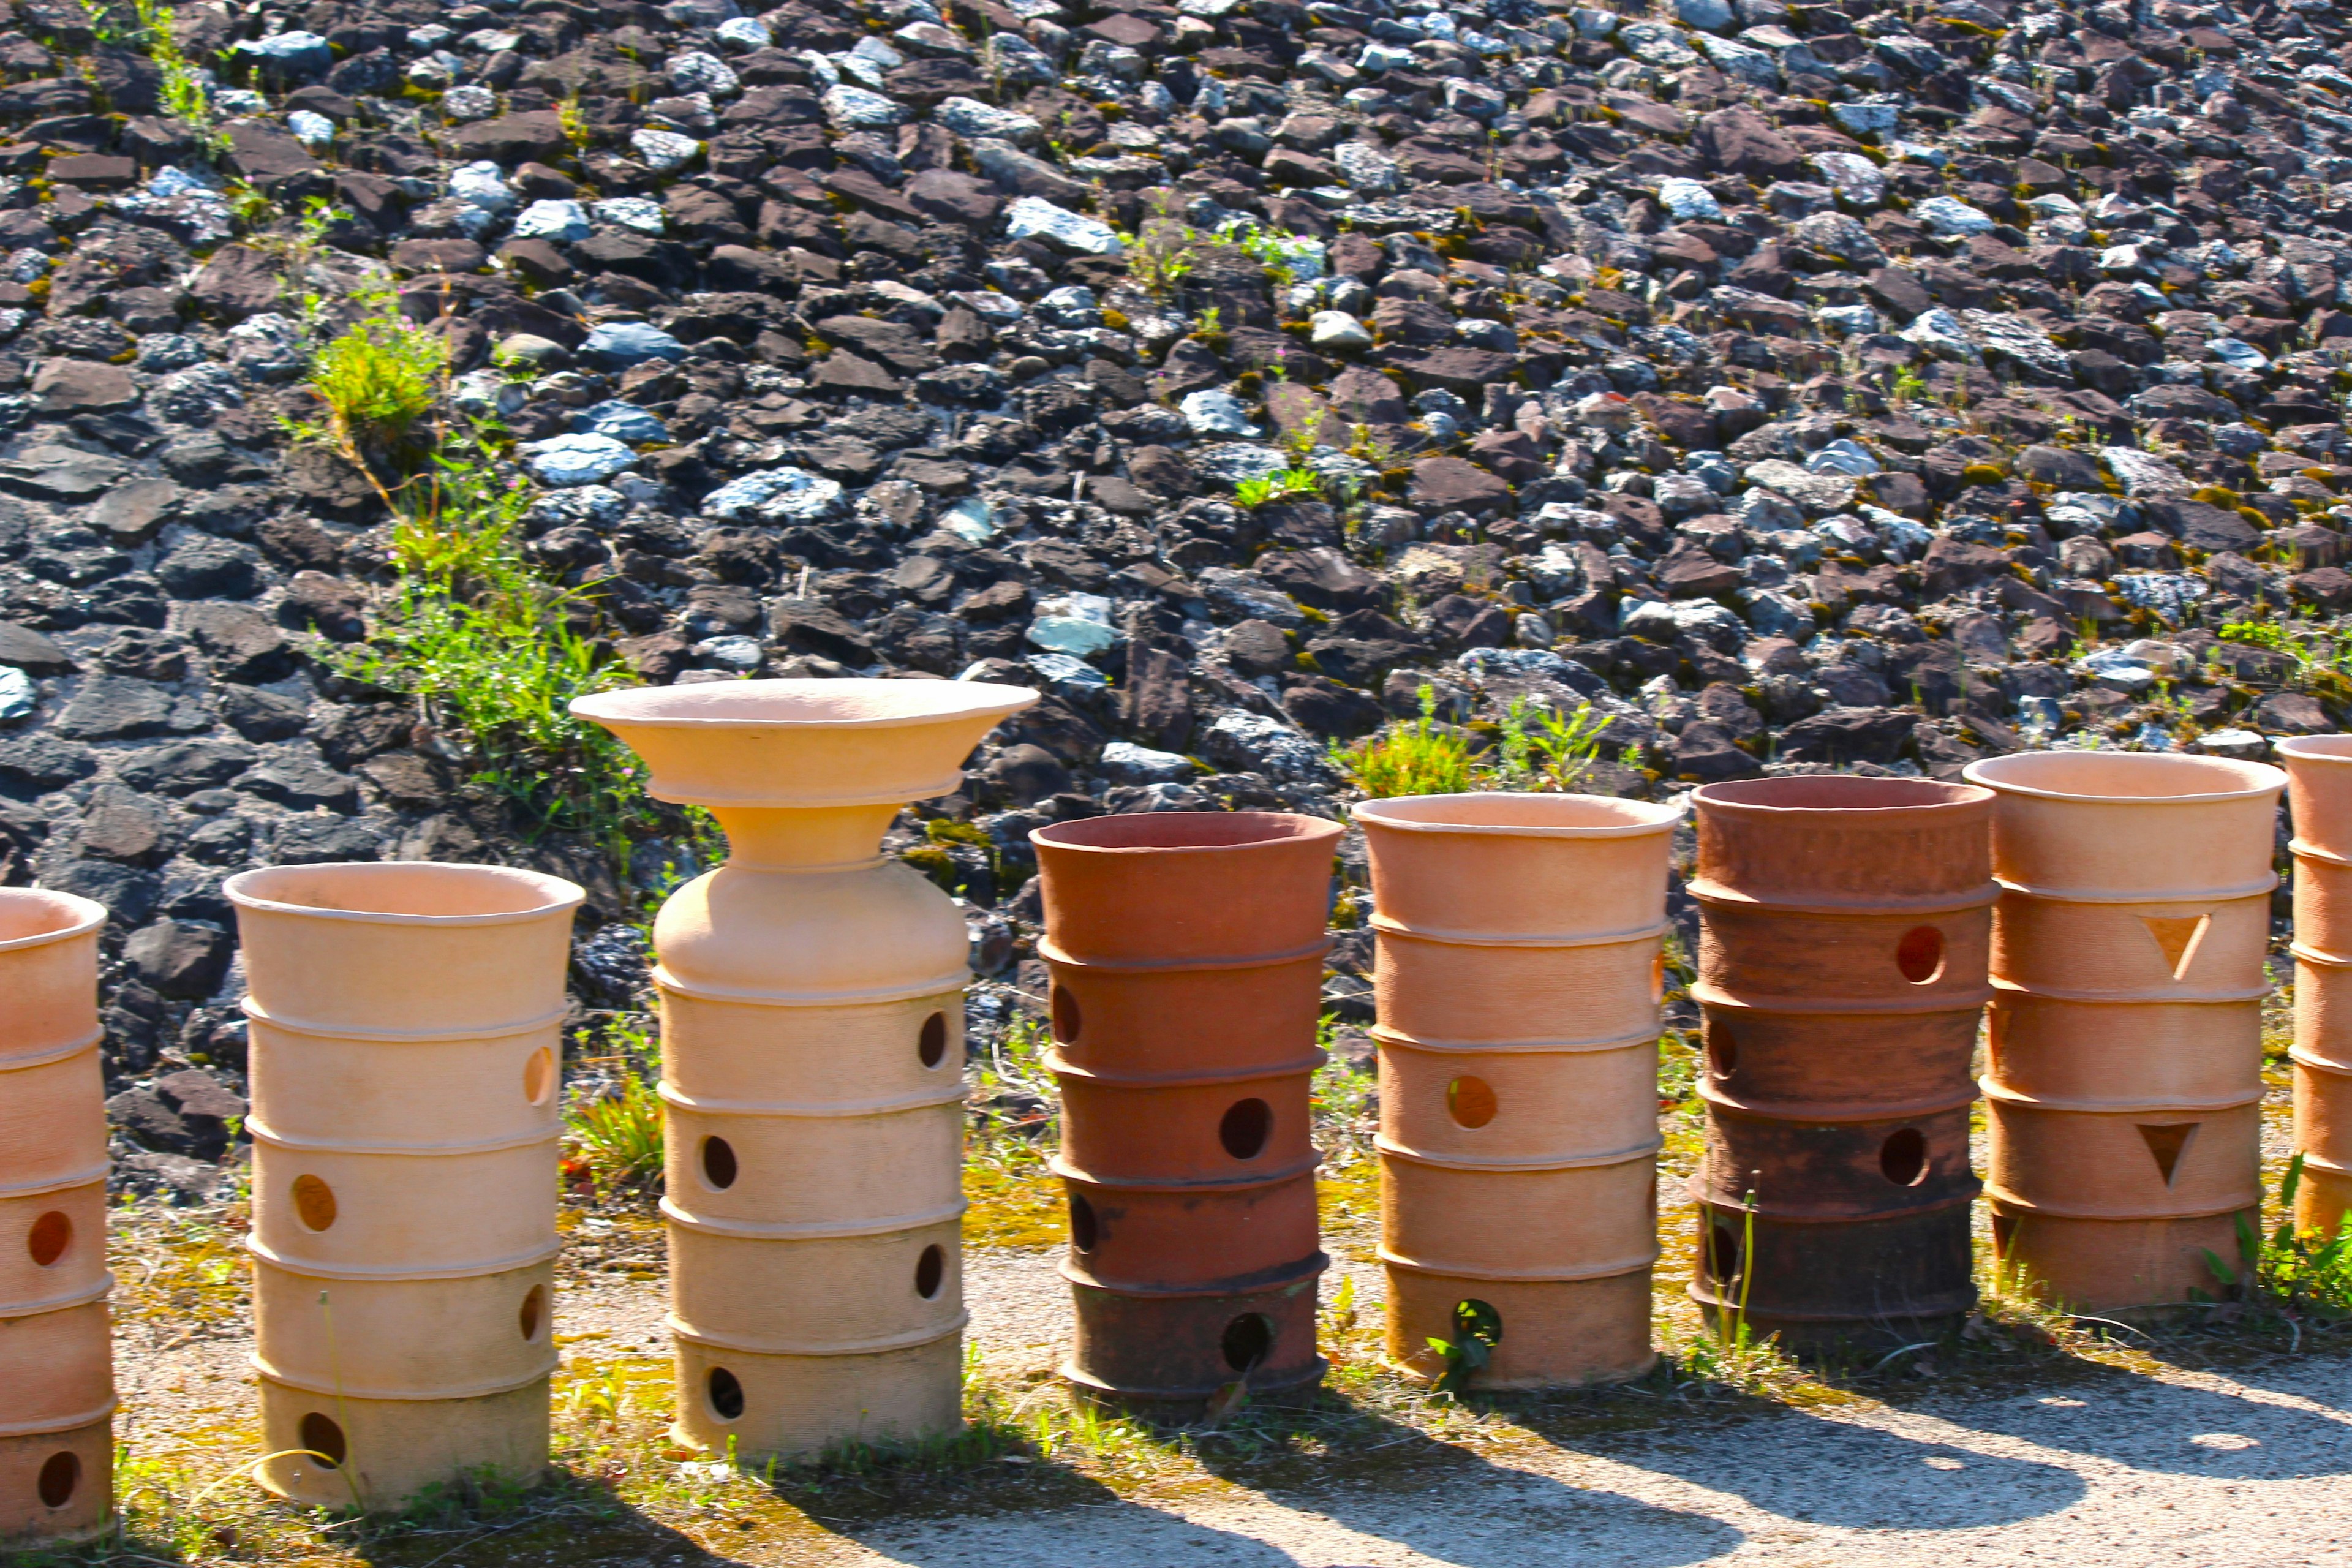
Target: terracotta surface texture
{"x": 1844, "y": 926}
{"x": 2319, "y": 798}
{"x": 2124, "y": 1047}
{"x": 403, "y": 1171}
{"x": 1186, "y": 951}
{"x": 812, "y": 1005}
{"x": 1517, "y": 941}
{"x": 56, "y": 1378}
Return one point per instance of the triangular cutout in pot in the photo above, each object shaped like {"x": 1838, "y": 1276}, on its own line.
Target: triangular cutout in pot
{"x": 2168, "y": 1143}
{"x": 2179, "y": 938}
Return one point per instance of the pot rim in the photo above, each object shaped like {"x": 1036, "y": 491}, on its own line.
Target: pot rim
{"x": 676, "y": 707}
{"x": 1987, "y": 771}
{"x": 2316, "y": 747}
{"x": 1383, "y": 813}
{"x": 557, "y": 895}
{"x": 87, "y": 915}
{"x": 1285, "y": 827}
{"x": 1937, "y": 794}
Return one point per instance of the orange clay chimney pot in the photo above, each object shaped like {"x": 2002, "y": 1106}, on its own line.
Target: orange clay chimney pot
{"x": 812, "y": 997}
{"x": 1844, "y": 930}
{"x": 1516, "y": 982}
{"x": 406, "y": 1074}
{"x": 2319, "y": 795}
{"x": 2125, "y": 1044}
{"x": 1186, "y": 950}
{"x": 56, "y": 1375}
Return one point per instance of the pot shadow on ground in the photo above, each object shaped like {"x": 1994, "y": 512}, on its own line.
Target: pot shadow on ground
{"x": 1373, "y": 1477}
{"x": 1452, "y": 1505}
{"x": 1808, "y": 1469}
{"x": 2131, "y": 1419}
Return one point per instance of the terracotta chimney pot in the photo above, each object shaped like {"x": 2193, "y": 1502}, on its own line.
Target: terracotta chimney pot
{"x": 1186, "y": 950}
{"x": 1517, "y": 982}
{"x": 2124, "y": 1045}
{"x": 56, "y": 1374}
{"x": 1844, "y": 925}
{"x": 812, "y": 1001}
{"x": 403, "y": 1170}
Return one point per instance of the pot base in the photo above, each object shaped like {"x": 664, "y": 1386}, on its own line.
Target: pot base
{"x": 2321, "y": 1201}
{"x": 1175, "y": 1351}
{"x": 392, "y": 1449}
{"x": 1555, "y": 1333}
{"x": 56, "y": 1486}
{"x": 1813, "y": 1339}
{"x": 1191, "y": 1407}
{"x": 780, "y": 1406}
{"x": 1822, "y": 1282}
{"x": 2110, "y": 1266}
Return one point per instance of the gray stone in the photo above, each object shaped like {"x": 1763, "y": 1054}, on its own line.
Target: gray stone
{"x": 301, "y": 782}
{"x": 183, "y": 960}
{"x": 118, "y": 707}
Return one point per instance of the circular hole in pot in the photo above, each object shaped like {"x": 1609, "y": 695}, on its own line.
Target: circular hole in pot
{"x": 1470, "y": 1101}
{"x": 1476, "y": 1320}
{"x": 1722, "y": 1049}
{"x": 1065, "y": 1016}
{"x": 1920, "y": 954}
{"x": 1245, "y": 1128}
{"x": 1722, "y": 1252}
{"x": 533, "y": 1313}
{"x": 726, "y": 1393}
{"x": 930, "y": 1272}
{"x": 1246, "y": 1341}
{"x": 718, "y": 1164}
{"x": 60, "y": 1479}
{"x": 1082, "y": 1224}
{"x": 931, "y": 1045}
{"x": 324, "y": 1439}
{"x": 1903, "y": 1158}
{"x": 1657, "y": 979}
{"x": 539, "y": 1077}
{"x": 52, "y": 1233}
{"x": 314, "y": 1203}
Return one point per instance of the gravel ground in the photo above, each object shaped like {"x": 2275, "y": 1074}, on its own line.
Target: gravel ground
{"x": 2095, "y": 1465}
{"x": 2134, "y": 1470}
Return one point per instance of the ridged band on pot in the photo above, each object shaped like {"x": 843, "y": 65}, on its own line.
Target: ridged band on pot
{"x": 1844, "y": 938}
{"x": 1185, "y": 949}
{"x": 404, "y": 1154}
{"x": 1517, "y": 978}
{"x": 2124, "y": 1082}
{"x": 811, "y": 1003}
{"x": 56, "y": 1378}
{"x": 339, "y": 1451}
{"x": 2319, "y": 797}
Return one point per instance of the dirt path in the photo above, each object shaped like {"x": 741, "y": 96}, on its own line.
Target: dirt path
{"x": 2109, "y": 1468}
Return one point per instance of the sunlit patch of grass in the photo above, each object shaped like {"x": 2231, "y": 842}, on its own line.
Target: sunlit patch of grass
{"x": 1016, "y": 1201}
{"x": 180, "y": 1267}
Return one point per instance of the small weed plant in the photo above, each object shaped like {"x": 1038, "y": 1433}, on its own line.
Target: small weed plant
{"x": 2303, "y": 1273}
{"x": 1283, "y": 484}
{"x": 612, "y": 1143}
{"x": 495, "y": 653}
{"x": 184, "y": 96}
{"x": 1412, "y": 758}
{"x": 1544, "y": 749}
{"x": 380, "y": 379}
{"x": 1536, "y": 749}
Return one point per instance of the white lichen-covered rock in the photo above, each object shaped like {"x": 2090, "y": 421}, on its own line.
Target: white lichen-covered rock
{"x": 1033, "y": 217}
{"x": 561, "y": 461}
{"x": 774, "y": 493}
